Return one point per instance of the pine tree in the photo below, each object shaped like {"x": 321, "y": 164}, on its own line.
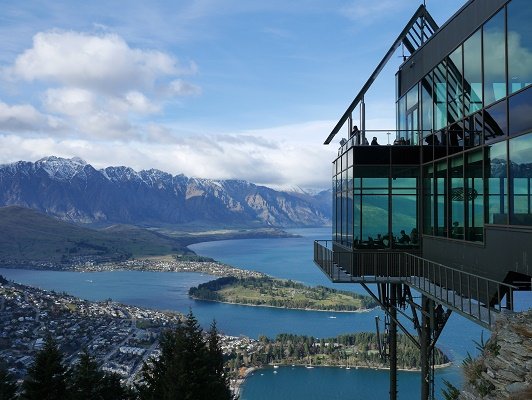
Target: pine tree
{"x": 46, "y": 379}
{"x": 217, "y": 380}
{"x": 189, "y": 368}
{"x": 8, "y": 386}
{"x": 86, "y": 379}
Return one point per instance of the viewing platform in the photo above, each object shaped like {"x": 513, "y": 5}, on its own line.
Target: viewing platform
{"x": 477, "y": 298}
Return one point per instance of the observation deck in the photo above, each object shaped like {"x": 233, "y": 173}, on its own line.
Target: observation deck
{"x": 477, "y": 298}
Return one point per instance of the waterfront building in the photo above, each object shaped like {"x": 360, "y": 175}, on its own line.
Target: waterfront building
{"x": 447, "y": 209}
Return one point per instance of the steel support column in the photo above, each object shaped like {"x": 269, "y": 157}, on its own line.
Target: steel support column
{"x": 392, "y": 335}
{"x": 427, "y": 306}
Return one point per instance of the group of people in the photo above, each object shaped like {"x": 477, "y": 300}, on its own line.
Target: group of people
{"x": 355, "y": 133}
{"x": 401, "y": 142}
{"x": 383, "y": 241}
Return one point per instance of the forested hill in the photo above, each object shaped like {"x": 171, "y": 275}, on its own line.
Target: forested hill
{"x": 266, "y": 291}
{"x": 353, "y": 350}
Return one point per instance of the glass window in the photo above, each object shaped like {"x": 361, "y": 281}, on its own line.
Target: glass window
{"x": 495, "y": 122}
{"x": 405, "y": 179}
{"x": 475, "y": 196}
{"x": 519, "y": 45}
{"x": 494, "y": 59}
{"x": 412, "y": 118}
{"x": 356, "y": 218}
{"x": 473, "y": 130}
{"x": 374, "y": 218}
{"x": 349, "y": 216}
{"x": 401, "y": 111}
{"x": 428, "y": 200}
{"x": 454, "y": 84}
{"x": 441, "y": 199}
{"x": 426, "y": 104}
{"x": 404, "y": 221}
{"x": 472, "y": 74}
{"x": 521, "y": 180}
{"x": 440, "y": 98}
{"x": 495, "y": 166}
{"x": 338, "y": 214}
{"x": 520, "y": 111}
{"x": 458, "y": 195}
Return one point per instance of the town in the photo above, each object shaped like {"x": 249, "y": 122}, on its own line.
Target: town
{"x": 121, "y": 337}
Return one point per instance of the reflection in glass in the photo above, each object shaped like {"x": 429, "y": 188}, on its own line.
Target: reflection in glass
{"x": 473, "y": 74}
{"x": 496, "y": 173}
{"x": 494, "y": 59}
{"x": 521, "y": 180}
{"x": 349, "y": 216}
{"x": 426, "y": 104}
{"x": 458, "y": 195}
{"x": 440, "y": 96}
{"x": 356, "y": 218}
{"x": 412, "y": 118}
{"x": 495, "y": 122}
{"x": 454, "y": 82}
{"x": 404, "y": 221}
{"x": 428, "y": 200}
{"x": 401, "y": 120}
{"x": 441, "y": 192}
{"x": 374, "y": 218}
{"x": 519, "y": 45}
{"x": 520, "y": 111}
{"x": 474, "y": 196}
{"x": 473, "y": 130}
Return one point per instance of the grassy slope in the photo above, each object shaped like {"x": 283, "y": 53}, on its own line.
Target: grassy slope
{"x": 280, "y": 293}
{"x": 252, "y": 295}
{"x": 29, "y": 235}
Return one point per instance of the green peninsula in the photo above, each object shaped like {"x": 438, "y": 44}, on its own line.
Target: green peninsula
{"x": 270, "y": 292}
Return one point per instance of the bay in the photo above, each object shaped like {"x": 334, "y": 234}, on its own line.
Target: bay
{"x": 289, "y": 258}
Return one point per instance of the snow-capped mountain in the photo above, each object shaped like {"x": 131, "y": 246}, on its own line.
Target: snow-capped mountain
{"x": 73, "y": 190}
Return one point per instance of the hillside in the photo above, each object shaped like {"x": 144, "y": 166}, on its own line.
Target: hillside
{"x": 72, "y": 190}
{"x": 27, "y": 235}
{"x": 266, "y": 291}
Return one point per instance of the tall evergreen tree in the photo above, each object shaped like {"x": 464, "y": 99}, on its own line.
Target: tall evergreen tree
{"x": 85, "y": 379}
{"x": 88, "y": 381}
{"x": 217, "y": 381}
{"x": 46, "y": 379}
{"x": 8, "y": 386}
{"x": 187, "y": 368}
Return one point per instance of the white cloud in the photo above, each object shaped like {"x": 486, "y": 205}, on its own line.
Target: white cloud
{"x": 25, "y": 118}
{"x": 179, "y": 87}
{"x": 70, "y": 101}
{"x": 97, "y": 84}
{"x": 103, "y": 63}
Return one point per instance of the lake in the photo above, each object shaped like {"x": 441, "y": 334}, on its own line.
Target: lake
{"x": 289, "y": 258}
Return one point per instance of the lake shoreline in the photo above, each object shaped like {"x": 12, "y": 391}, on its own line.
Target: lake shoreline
{"x": 364, "y": 310}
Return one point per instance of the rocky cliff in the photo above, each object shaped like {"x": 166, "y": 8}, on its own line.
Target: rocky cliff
{"x": 504, "y": 369}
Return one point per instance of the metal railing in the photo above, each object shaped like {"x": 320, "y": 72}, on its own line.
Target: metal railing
{"x": 465, "y": 292}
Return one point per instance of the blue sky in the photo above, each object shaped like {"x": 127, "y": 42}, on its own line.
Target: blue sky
{"x": 213, "y": 89}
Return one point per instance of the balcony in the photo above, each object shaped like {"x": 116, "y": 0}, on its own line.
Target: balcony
{"x": 477, "y": 298}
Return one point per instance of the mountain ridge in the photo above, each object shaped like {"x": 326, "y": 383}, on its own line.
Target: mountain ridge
{"x": 73, "y": 190}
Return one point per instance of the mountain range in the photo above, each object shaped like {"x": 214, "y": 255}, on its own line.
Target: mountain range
{"x": 73, "y": 190}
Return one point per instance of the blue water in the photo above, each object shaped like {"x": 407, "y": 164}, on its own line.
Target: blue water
{"x": 328, "y": 383}
{"x": 289, "y": 258}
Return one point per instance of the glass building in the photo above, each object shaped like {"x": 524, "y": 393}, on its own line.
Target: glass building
{"x": 441, "y": 221}
{"x": 457, "y": 186}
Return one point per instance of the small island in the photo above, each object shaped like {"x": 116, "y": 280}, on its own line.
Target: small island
{"x": 270, "y": 292}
